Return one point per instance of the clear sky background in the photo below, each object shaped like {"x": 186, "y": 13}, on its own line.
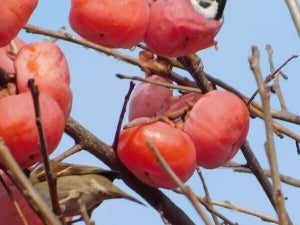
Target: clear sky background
{"x": 98, "y": 97}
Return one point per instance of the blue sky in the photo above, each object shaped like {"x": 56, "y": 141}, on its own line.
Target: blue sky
{"x": 98, "y": 96}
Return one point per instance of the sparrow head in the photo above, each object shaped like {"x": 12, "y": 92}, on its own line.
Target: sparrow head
{"x": 210, "y": 9}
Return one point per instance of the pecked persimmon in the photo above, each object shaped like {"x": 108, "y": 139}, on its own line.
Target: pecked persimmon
{"x": 176, "y": 28}
{"x": 113, "y": 24}
{"x": 217, "y": 124}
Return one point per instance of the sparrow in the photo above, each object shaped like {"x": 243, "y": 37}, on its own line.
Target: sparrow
{"x": 79, "y": 187}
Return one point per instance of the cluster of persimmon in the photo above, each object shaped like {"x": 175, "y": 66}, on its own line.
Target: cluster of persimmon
{"x": 46, "y": 64}
{"x": 214, "y": 127}
{"x": 167, "y": 27}
{"x": 208, "y": 131}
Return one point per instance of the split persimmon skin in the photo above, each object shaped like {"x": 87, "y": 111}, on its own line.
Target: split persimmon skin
{"x": 177, "y": 29}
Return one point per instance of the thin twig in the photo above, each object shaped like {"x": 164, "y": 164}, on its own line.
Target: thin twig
{"x": 207, "y": 195}
{"x": 163, "y": 84}
{"x": 298, "y": 147}
{"x": 276, "y": 85}
{"x": 44, "y": 148}
{"x": 185, "y": 189}
{"x": 76, "y": 148}
{"x": 272, "y": 76}
{"x": 278, "y": 128}
{"x": 121, "y": 117}
{"x": 270, "y": 145}
{"x": 232, "y": 206}
{"x": 257, "y": 170}
{"x": 144, "y": 65}
{"x": 285, "y": 179}
{"x": 235, "y": 207}
{"x": 167, "y": 116}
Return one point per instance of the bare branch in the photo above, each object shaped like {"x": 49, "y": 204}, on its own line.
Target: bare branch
{"x": 276, "y": 85}
{"x": 207, "y": 195}
{"x": 194, "y": 65}
{"x": 106, "y": 154}
{"x": 270, "y": 145}
{"x": 294, "y": 9}
{"x": 285, "y": 179}
{"x": 121, "y": 117}
{"x": 76, "y": 148}
{"x": 232, "y": 206}
{"x": 257, "y": 170}
{"x": 163, "y": 84}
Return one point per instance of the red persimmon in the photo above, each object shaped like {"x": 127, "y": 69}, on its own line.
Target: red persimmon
{"x": 113, "y": 24}
{"x": 47, "y": 64}
{"x": 14, "y": 14}
{"x": 174, "y": 145}
{"x": 218, "y": 124}
{"x": 10, "y": 215}
{"x": 176, "y": 29}
{"x": 147, "y": 98}
{"x": 18, "y": 127}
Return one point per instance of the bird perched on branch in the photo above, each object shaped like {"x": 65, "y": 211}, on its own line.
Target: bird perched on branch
{"x": 80, "y": 188}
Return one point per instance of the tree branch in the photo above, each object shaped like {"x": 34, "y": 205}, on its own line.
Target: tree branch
{"x": 270, "y": 145}
{"x": 106, "y": 154}
{"x": 294, "y": 9}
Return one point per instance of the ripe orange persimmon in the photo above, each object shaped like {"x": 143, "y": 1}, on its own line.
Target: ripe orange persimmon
{"x": 113, "y": 24}
{"x": 14, "y": 14}
{"x": 218, "y": 124}
{"x": 174, "y": 145}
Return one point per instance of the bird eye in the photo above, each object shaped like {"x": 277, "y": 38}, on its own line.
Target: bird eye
{"x": 204, "y": 4}
{"x": 210, "y": 9}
